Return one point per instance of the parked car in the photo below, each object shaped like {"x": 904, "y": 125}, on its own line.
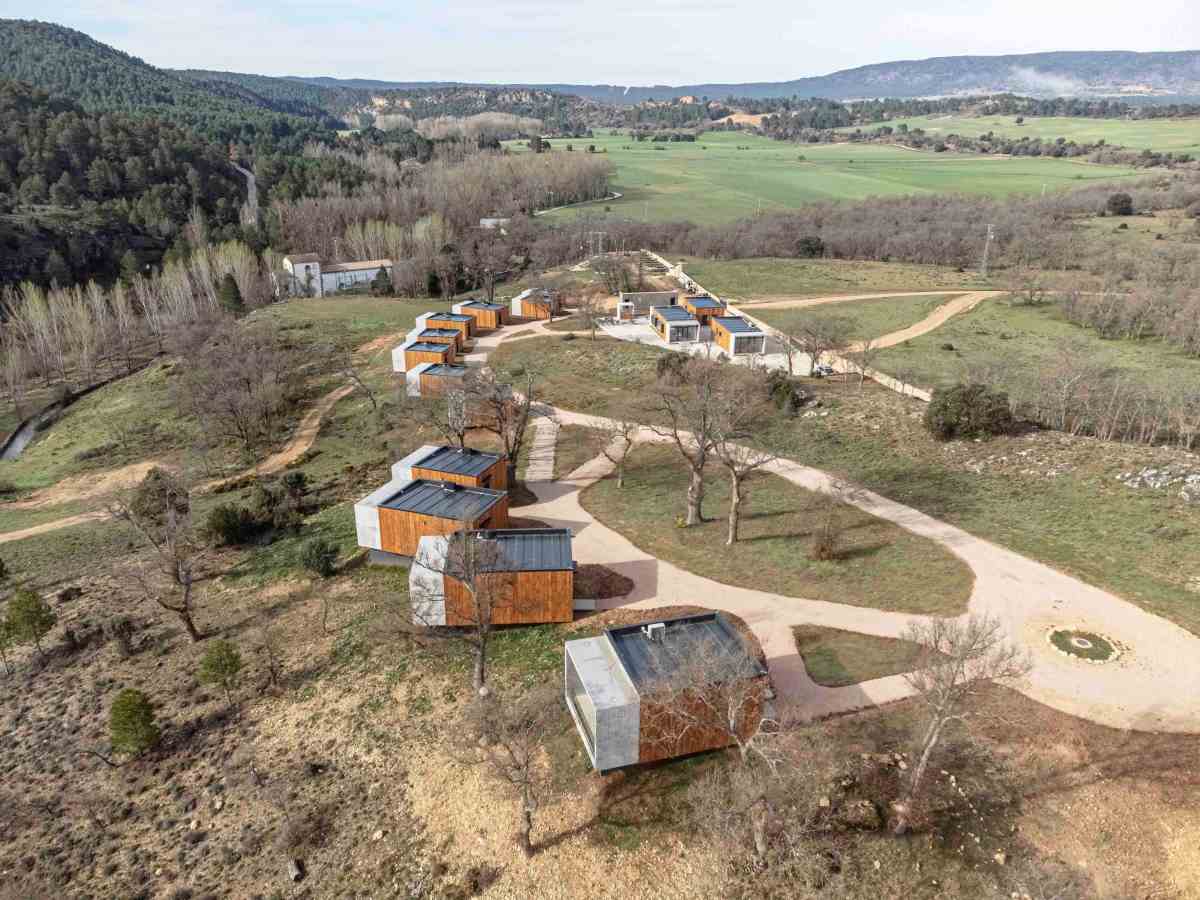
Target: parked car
{"x": 822, "y": 370}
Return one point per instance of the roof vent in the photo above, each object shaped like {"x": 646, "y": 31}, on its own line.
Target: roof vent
{"x": 449, "y": 487}
{"x": 655, "y": 633}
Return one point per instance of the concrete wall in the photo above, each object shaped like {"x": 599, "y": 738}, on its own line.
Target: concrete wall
{"x": 426, "y": 583}
{"x": 412, "y": 378}
{"x": 591, "y": 665}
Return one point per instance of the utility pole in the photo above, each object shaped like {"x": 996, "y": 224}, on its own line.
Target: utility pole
{"x": 991, "y": 235}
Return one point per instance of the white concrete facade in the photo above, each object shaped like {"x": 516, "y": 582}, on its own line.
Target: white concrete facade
{"x": 603, "y": 702}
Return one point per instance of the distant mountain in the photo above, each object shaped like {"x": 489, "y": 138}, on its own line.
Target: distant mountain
{"x": 1173, "y": 76}
{"x": 100, "y": 78}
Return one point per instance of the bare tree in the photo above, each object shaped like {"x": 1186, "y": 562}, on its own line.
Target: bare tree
{"x": 742, "y": 402}
{"x": 957, "y": 658}
{"x": 817, "y": 336}
{"x": 512, "y": 731}
{"x": 159, "y": 511}
{"x": 620, "y": 437}
{"x": 589, "y": 310}
{"x": 689, "y": 405}
{"x": 861, "y": 356}
{"x": 504, "y": 412}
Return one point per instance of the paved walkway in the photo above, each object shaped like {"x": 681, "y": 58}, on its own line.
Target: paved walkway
{"x": 1152, "y": 686}
{"x": 540, "y": 466}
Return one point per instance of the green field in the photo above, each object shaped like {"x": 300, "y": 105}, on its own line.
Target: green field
{"x": 1015, "y": 341}
{"x": 870, "y": 318}
{"x": 768, "y": 278}
{"x": 1176, "y": 135}
{"x": 729, "y": 175}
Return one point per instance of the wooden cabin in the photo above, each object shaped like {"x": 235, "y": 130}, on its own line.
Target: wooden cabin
{"x": 451, "y": 336}
{"x": 412, "y": 353}
{"x": 535, "y": 304}
{"x": 464, "y": 324}
{"x": 434, "y": 379}
{"x": 524, "y": 576}
{"x": 623, "y": 688}
{"x": 736, "y": 336}
{"x": 458, "y": 465}
{"x": 674, "y": 324}
{"x": 392, "y": 520}
{"x": 703, "y": 307}
{"x": 487, "y": 316}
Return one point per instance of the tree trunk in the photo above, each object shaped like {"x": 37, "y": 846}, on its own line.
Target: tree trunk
{"x": 758, "y": 827}
{"x": 931, "y": 739}
{"x": 479, "y": 676}
{"x": 526, "y": 834}
{"x": 735, "y": 508}
{"x": 185, "y": 616}
{"x": 621, "y": 474}
{"x": 695, "y": 497}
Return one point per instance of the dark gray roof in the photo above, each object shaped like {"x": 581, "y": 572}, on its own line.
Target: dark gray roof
{"x": 530, "y": 549}
{"x": 673, "y": 313}
{"x": 449, "y": 317}
{"x": 445, "y": 501}
{"x": 439, "y": 332}
{"x": 647, "y": 662}
{"x": 446, "y": 370}
{"x": 421, "y": 347}
{"x": 482, "y": 304}
{"x": 454, "y": 461}
{"x": 737, "y": 325}
{"x": 704, "y": 302}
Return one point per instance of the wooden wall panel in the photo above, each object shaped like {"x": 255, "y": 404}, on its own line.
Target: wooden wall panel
{"x": 455, "y": 342}
{"x": 413, "y": 358}
{"x": 721, "y": 336}
{"x": 400, "y": 531}
{"x": 661, "y": 733}
{"x": 463, "y": 328}
{"x": 515, "y": 598}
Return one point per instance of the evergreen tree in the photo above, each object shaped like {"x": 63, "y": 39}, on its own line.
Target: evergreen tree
{"x": 220, "y": 665}
{"x": 131, "y": 724}
{"x": 57, "y": 271}
{"x": 230, "y": 296}
{"x": 130, "y": 267}
{"x": 29, "y": 618}
{"x": 63, "y": 192}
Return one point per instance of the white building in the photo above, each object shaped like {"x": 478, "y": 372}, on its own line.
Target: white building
{"x": 310, "y": 277}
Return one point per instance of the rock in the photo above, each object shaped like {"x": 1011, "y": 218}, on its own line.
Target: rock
{"x": 823, "y": 803}
{"x": 860, "y": 814}
{"x": 1000, "y": 857}
{"x": 295, "y": 869}
{"x": 902, "y": 766}
{"x": 218, "y": 804}
{"x": 378, "y": 835}
{"x": 195, "y": 823}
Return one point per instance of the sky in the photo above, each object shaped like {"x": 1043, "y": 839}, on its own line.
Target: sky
{"x": 622, "y": 42}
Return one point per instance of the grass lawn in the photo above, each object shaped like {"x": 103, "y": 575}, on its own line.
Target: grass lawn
{"x": 347, "y": 321}
{"x": 577, "y": 444}
{"x": 1019, "y": 340}
{"x": 872, "y": 318}
{"x": 730, "y": 175}
{"x": 835, "y": 658}
{"x": 771, "y": 278}
{"x": 881, "y": 566}
{"x": 1176, "y": 135}
{"x": 1139, "y": 544}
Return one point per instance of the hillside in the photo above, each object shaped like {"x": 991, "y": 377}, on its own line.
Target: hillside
{"x": 102, "y": 79}
{"x": 1083, "y": 73}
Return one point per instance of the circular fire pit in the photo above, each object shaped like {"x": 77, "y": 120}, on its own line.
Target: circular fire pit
{"x": 1081, "y": 644}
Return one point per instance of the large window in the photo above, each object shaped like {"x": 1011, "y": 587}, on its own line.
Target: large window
{"x": 585, "y": 710}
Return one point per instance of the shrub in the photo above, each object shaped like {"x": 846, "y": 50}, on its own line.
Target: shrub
{"x": 3, "y": 570}
{"x": 319, "y": 556}
{"x": 229, "y": 524}
{"x": 670, "y": 365}
{"x": 220, "y": 665}
{"x": 784, "y": 392}
{"x": 29, "y": 618}
{"x": 1119, "y": 204}
{"x": 131, "y": 725}
{"x": 968, "y": 411}
{"x": 120, "y": 629}
{"x": 158, "y": 492}
{"x": 229, "y": 295}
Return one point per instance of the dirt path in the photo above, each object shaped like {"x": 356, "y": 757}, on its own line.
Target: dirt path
{"x": 931, "y": 322}
{"x": 1027, "y": 597}
{"x": 784, "y": 302}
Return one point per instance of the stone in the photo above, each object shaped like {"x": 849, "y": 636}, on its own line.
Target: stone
{"x": 378, "y": 835}
{"x": 823, "y": 803}
{"x": 295, "y": 869}
{"x": 1000, "y": 857}
{"x": 860, "y": 814}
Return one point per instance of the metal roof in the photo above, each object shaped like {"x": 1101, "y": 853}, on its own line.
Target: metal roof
{"x": 358, "y": 266}
{"x": 684, "y": 640}
{"x": 303, "y": 257}
{"x": 439, "y": 332}
{"x": 444, "y": 501}
{"x": 672, "y": 313}
{"x": 445, "y": 370}
{"x": 530, "y": 549}
{"x": 421, "y": 347}
{"x": 449, "y": 317}
{"x": 482, "y": 304}
{"x": 704, "y": 302}
{"x": 456, "y": 461}
{"x": 736, "y": 325}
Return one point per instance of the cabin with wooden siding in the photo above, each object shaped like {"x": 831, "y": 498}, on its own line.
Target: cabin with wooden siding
{"x": 413, "y": 352}
{"x": 703, "y": 307}
{"x": 674, "y": 324}
{"x": 535, "y": 304}
{"x": 524, "y": 576}
{"x": 391, "y": 521}
{"x": 458, "y": 465}
{"x": 487, "y": 316}
{"x": 451, "y": 336}
{"x": 736, "y": 336}
{"x": 464, "y": 324}
{"x": 613, "y": 685}
{"x": 435, "y": 379}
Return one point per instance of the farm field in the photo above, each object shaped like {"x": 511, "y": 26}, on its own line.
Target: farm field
{"x": 771, "y": 278}
{"x": 871, "y": 318}
{"x": 729, "y": 175}
{"x": 1175, "y": 135}
{"x": 1024, "y": 339}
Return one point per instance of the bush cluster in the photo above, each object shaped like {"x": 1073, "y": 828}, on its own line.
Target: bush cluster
{"x": 968, "y": 411}
{"x": 274, "y": 506}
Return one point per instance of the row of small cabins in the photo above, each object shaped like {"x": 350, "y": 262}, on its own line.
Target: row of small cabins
{"x": 611, "y": 681}
{"x": 693, "y": 318}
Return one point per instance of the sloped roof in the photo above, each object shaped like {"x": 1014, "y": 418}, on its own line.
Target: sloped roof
{"x": 439, "y": 332}
{"x": 358, "y": 266}
{"x": 302, "y": 258}
{"x": 449, "y": 317}
{"x": 458, "y": 461}
{"x": 443, "y": 501}
{"x": 482, "y": 304}
{"x": 530, "y": 549}
{"x": 445, "y": 370}
{"x": 422, "y": 347}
